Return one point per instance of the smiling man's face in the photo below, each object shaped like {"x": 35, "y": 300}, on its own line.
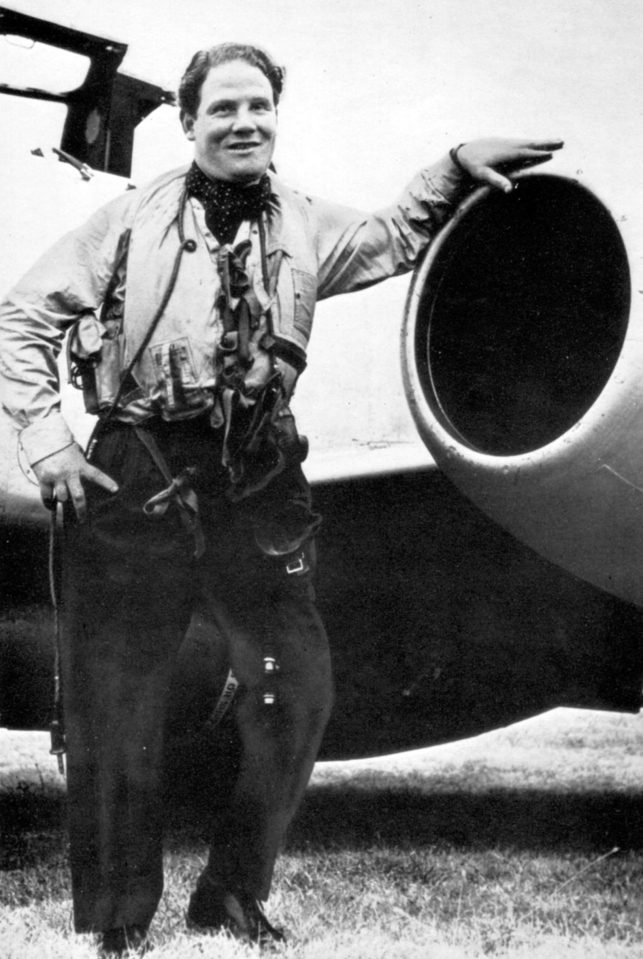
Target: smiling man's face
{"x": 235, "y": 125}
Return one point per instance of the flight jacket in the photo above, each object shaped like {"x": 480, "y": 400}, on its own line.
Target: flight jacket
{"x": 322, "y": 249}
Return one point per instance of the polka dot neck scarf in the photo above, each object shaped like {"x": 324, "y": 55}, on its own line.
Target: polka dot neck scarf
{"x": 227, "y": 204}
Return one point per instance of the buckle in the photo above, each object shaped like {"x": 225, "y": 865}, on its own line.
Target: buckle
{"x": 298, "y": 565}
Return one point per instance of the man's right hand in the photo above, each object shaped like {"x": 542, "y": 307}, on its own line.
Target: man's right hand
{"x": 61, "y": 477}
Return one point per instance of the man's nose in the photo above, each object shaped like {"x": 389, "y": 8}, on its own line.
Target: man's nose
{"x": 244, "y": 120}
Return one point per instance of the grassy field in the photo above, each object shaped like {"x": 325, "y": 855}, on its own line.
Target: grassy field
{"x": 526, "y": 842}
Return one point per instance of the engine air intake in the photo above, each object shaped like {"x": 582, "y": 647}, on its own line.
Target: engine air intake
{"x": 522, "y": 311}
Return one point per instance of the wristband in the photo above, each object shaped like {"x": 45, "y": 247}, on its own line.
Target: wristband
{"x": 453, "y": 153}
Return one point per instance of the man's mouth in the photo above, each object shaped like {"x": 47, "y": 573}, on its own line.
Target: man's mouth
{"x": 245, "y": 147}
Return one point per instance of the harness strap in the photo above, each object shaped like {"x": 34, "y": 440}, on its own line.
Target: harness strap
{"x": 126, "y": 377}
{"x": 224, "y": 701}
{"x": 169, "y": 289}
{"x": 179, "y": 490}
{"x": 243, "y": 324}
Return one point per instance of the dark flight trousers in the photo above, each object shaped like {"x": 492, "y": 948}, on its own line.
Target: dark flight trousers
{"x": 130, "y": 583}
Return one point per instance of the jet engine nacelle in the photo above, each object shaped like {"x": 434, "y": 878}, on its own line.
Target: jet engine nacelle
{"x": 523, "y": 365}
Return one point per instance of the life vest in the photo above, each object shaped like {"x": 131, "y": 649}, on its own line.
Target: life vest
{"x": 153, "y": 343}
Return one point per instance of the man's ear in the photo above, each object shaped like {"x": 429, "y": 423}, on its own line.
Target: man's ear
{"x": 187, "y": 122}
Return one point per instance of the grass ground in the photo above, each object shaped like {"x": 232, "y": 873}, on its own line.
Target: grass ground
{"x": 526, "y": 842}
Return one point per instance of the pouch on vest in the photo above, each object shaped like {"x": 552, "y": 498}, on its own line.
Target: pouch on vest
{"x": 261, "y": 439}
{"x": 176, "y": 377}
{"x": 93, "y": 361}
{"x": 94, "y": 348}
{"x": 282, "y": 515}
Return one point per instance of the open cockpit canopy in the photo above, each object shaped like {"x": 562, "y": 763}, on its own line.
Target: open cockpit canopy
{"x": 78, "y": 96}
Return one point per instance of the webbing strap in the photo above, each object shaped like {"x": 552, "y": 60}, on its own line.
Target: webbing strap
{"x": 165, "y": 299}
{"x": 224, "y": 701}
{"x": 179, "y": 490}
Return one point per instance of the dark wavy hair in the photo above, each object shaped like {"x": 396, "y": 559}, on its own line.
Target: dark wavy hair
{"x": 203, "y": 61}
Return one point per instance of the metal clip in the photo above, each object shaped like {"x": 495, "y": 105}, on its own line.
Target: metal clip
{"x": 58, "y": 747}
{"x": 270, "y": 668}
{"x": 269, "y": 665}
{"x": 297, "y": 566}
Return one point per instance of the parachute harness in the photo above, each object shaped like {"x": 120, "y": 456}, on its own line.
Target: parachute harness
{"x": 259, "y": 433}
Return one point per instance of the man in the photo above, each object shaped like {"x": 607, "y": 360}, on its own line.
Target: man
{"x": 190, "y": 304}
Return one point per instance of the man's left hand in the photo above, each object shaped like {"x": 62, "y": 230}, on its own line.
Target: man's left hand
{"x": 490, "y": 161}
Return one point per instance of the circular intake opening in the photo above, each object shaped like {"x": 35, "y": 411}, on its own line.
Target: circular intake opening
{"x": 522, "y": 314}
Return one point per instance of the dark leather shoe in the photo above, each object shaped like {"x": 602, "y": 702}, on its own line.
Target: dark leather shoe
{"x": 236, "y": 912}
{"x": 123, "y": 941}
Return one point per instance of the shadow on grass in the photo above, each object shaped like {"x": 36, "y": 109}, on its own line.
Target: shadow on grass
{"x": 349, "y": 816}
{"x": 33, "y": 841}
{"x": 343, "y": 816}
{"x": 519, "y": 818}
